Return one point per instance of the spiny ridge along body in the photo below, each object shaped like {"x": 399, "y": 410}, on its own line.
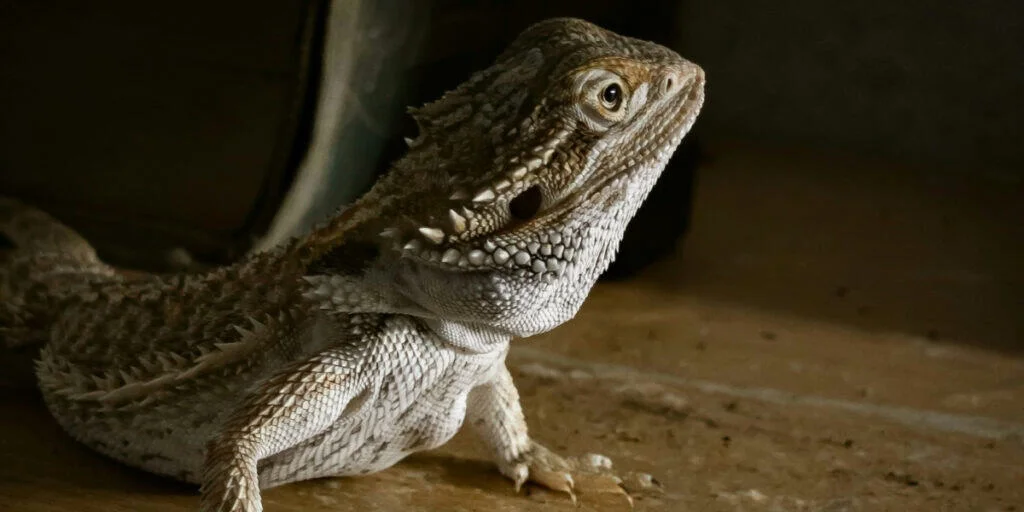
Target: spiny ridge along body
{"x": 379, "y": 332}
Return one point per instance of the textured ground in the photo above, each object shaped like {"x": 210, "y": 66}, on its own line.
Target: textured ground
{"x": 835, "y": 336}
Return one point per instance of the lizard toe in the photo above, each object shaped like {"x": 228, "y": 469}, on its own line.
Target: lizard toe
{"x": 586, "y": 474}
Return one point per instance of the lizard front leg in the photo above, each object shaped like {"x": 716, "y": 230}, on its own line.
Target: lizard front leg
{"x": 494, "y": 413}
{"x": 295, "y": 404}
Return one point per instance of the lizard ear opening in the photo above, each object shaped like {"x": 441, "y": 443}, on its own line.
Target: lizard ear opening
{"x": 526, "y": 205}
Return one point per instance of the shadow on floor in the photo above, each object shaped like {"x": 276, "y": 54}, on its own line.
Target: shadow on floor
{"x": 936, "y": 254}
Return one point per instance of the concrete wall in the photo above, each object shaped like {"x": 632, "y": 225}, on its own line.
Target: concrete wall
{"x": 921, "y": 81}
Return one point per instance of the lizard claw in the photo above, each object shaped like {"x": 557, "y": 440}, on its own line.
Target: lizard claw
{"x": 555, "y": 480}
{"x": 519, "y": 475}
{"x": 590, "y": 473}
{"x": 640, "y": 482}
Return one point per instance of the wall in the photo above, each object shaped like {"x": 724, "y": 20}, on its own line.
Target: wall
{"x": 930, "y": 82}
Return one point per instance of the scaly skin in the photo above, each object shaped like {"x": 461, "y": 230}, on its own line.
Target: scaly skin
{"x": 378, "y": 333}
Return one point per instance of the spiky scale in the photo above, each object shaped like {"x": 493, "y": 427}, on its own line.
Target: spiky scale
{"x": 434, "y": 235}
{"x": 484, "y": 196}
{"x": 451, "y": 256}
{"x": 477, "y": 257}
{"x": 272, "y": 337}
{"x": 458, "y": 221}
{"x": 500, "y": 256}
{"x": 518, "y": 172}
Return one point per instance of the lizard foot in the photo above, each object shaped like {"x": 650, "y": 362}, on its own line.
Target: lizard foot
{"x": 590, "y": 473}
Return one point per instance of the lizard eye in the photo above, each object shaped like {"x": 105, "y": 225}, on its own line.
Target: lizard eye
{"x": 611, "y": 96}
{"x": 603, "y": 98}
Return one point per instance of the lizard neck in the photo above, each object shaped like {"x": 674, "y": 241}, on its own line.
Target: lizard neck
{"x": 475, "y": 338}
{"x": 372, "y": 293}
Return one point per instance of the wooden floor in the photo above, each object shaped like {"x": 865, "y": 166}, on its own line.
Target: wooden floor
{"x": 833, "y": 336}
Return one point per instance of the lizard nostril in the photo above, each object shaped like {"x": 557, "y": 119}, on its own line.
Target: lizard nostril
{"x": 668, "y": 84}
{"x": 526, "y": 205}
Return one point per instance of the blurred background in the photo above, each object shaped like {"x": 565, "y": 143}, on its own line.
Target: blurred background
{"x": 846, "y": 218}
{"x": 878, "y": 141}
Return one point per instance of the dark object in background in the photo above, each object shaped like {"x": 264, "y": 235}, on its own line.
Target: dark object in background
{"x": 152, "y": 130}
{"x": 149, "y": 127}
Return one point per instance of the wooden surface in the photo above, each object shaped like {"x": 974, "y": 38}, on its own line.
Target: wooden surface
{"x": 836, "y": 335}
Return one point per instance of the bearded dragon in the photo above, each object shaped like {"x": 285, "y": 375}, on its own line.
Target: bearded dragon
{"x": 384, "y": 329}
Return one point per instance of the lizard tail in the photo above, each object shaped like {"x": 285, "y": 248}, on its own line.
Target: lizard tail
{"x": 41, "y": 260}
{"x": 32, "y": 230}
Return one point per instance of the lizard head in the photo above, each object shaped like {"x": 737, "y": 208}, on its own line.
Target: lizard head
{"x": 515, "y": 194}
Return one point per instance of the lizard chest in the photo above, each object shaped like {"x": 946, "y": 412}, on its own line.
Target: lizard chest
{"x": 416, "y": 401}
{"x": 421, "y": 406}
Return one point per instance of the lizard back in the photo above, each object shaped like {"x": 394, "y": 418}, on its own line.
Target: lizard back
{"x": 148, "y": 352}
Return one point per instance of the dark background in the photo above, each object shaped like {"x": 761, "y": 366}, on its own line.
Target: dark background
{"x": 840, "y": 327}
{"x": 151, "y": 127}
